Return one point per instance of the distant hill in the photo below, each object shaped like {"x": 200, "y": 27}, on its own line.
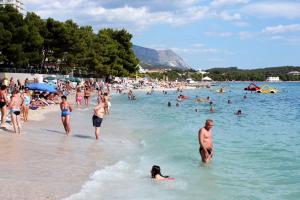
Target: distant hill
{"x": 151, "y": 58}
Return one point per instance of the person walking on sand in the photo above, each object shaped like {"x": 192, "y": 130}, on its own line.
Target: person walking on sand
{"x": 78, "y": 96}
{"x": 99, "y": 113}
{"x": 205, "y": 141}
{"x": 66, "y": 110}
{"x": 87, "y": 94}
{"x": 15, "y": 110}
{"x": 3, "y": 102}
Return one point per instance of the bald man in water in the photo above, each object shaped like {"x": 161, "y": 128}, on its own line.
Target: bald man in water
{"x": 205, "y": 141}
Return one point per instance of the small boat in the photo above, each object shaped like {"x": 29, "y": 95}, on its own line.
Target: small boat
{"x": 267, "y": 89}
{"x": 252, "y": 87}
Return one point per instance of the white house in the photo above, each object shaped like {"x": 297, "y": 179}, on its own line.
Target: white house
{"x": 273, "y": 79}
{"x": 189, "y": 80}
{"x": 201, "y": 72}
{"x": 295, "y": 73}
{"x": 206, "y": 78}
{"x": 17, "y": 4}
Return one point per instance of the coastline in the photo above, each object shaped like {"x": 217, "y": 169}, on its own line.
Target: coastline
{"x": 44, "y": 163}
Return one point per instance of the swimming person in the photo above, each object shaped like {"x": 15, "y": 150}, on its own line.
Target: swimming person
{"x": 15, "y": 110}
{"x": 3, "y": 102}
{"x": 99, "y": 113}
{"x": 239, "y": 112}
{"x": 169, "y": 104}
{"x": 66, "y": 110}
{"x": 205, "y": 141}
{"x": 156, "y": 174}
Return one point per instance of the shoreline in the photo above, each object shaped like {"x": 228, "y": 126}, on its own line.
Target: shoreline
{"x": 44, "y": 163}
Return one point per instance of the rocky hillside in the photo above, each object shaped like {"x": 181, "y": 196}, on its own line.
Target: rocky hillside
{"x": 151, "y": 58}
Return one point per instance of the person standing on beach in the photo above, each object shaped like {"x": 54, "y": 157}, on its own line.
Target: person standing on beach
{"x": 99, "y": 113}
{"x": 15, "y": 110}
{"x": 205, "y": 141}
{"x": 106, "y": 103}
{"x": 3, "y": 102}
{"x": 66, "y": 110}
{"x": 87, "y": 94}
{"x": 26, "y": 99}
{"x": 78, "y": 96}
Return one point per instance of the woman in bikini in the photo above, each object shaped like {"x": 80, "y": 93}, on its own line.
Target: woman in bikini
{"x": 78, "y": 96}
{"x": 66, "y": 110}
{"x": 3, "y": 102}
{"x": 14, "y": 106}
{"x": 87, "y": 94}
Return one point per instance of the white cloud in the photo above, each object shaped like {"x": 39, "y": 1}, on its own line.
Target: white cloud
{"x": 280, "y": 29}
{"x": 275, "y": 9}
{"x": 219, "y": 3}
{"x": 219, "y": 34}
{"x": 229, "y": 17}
{"x": 246, "y": 35}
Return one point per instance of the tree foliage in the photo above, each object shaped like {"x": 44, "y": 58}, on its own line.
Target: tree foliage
{"x": 50, "y": 45}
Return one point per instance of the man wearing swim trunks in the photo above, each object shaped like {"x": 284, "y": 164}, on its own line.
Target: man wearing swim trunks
{"x": 15, "y": 109}
{"x": 99, "y": 113}
{"x": 205, "y": 141}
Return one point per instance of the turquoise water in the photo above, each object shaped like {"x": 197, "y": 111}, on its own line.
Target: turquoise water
{"x": 257, "y": 155}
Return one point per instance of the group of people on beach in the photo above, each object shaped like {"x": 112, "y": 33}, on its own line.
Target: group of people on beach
{"x": 100, "y": 110}
{"x": 16, "y": 100}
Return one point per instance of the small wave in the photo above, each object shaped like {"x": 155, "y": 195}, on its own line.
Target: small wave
{"x": 98, "y": 178}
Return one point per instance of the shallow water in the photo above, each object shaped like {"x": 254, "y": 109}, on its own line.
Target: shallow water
{"x": 257, "y": 154}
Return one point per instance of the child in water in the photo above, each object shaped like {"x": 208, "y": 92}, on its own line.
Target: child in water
{"x": 156, "y": 174}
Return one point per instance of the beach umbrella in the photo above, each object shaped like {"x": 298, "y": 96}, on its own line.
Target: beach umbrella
{"x": 41, "y": 87}
{"x": 50, "y": 78}
{"x": 73, "y": 79}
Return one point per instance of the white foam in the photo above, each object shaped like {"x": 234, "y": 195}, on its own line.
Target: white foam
{"x": 100, "y": 177}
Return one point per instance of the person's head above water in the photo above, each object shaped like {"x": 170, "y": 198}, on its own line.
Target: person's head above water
{"x": 209, "y": 124}
{"x": 156, "y": 171}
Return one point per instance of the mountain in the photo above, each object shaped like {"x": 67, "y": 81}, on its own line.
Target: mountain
{"x": 151, "y": 58}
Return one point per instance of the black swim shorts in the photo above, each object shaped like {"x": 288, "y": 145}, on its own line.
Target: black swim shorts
{"x": 97, "y": 121}
{"x": 2, "y": 104}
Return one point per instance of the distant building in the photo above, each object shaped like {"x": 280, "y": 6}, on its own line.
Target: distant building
{"x": 201, "y": 72}
{"x": 156, "y": 70}
{"x": 189, "y": 80}
{"x": 295, "y": 73}
{"x": 17, "y": 4}
{"x": 273, "y": 79}
{"x": 206, "y": 78}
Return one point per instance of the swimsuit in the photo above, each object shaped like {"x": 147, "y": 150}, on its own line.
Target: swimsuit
{"x": 97, "y": 121}
{"x": 27, "y": 100}
{"x": 16, "y": 111}
{"x": 65, "y": 112}
{"x": 2, "y": 104}
{"x": 79, "y": 98}
{"x": 209, "y": 151}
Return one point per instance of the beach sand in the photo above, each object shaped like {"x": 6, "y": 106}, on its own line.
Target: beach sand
{"x": 44, "y": 163}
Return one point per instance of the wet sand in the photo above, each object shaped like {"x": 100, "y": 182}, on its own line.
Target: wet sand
{"x": 44, "y": 163}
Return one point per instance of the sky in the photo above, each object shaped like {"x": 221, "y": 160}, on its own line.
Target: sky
{"x": 205, "y": 33}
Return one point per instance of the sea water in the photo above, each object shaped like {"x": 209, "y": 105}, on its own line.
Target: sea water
{"x": 257, "y": 154}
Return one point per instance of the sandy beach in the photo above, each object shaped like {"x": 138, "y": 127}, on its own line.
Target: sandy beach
{"x": 44, "y": 163}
